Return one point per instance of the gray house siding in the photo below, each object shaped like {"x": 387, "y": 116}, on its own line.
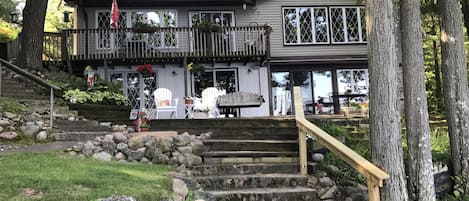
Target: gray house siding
{"x": 264, "y": 12}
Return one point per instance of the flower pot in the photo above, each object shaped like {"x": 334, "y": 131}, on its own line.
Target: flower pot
{"x": 200, "y": 115}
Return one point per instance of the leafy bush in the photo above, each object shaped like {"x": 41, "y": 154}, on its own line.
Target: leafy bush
{"x": 101, "y": 93}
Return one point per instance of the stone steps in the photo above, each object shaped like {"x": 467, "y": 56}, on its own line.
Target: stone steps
{"x": 236, "y": 169}
{"x": 251, "y": 145}
{"x": 267, "y": 194}
{"x": 237, "y": 182}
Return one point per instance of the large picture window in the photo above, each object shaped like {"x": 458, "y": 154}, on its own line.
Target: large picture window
{"x": 323, "y": 25}
{"x": 305, "y": 25}
{"x": 348, "y": 24}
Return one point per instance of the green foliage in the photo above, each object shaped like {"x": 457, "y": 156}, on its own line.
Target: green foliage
{"x": 101, "y": 93}
{"x": 11, "y": 105}
{"x": 62, "y": 177}
{"x": 7, "y": 31}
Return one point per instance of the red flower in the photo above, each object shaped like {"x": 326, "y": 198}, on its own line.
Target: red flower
{"x": 145, "y": 68}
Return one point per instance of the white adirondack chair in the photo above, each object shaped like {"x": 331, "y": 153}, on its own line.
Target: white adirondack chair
{"x": 164, "y": 102}
{"x": 209, "y": 98}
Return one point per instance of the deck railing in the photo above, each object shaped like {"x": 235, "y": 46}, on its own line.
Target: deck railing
{"x": 373, "y": 174}
{"x": 170, "y": 42}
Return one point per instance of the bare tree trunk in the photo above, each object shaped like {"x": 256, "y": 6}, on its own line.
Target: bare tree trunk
{"x": 420, "y": 182}
{"x": 386, "y": 140}
{"x": 32, "y": 35}
{"x": 454, "y": 75}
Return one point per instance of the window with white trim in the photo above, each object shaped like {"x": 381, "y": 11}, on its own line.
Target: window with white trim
{"x": 347, "y": 24}
{"x": 305, "y": 25}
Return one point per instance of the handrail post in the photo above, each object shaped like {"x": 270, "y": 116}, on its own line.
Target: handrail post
{"x": 299, "y": 114}
{"x": 51, "y": 114}
{"x": 373, "y": 191}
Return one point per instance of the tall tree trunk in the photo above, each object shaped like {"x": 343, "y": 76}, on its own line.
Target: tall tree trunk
{"x": 420, "y": 182}
{"x": 385, "y": 127}
{"x": 465, "y": 11}
{"x": 32, "y": 35}
{"x": 454, "y": 75}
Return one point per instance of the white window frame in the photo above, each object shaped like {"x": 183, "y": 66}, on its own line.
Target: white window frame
{"x": 128, "y": 15}
{"x": 344, "y": 28}
{"x": 313, "y": 26}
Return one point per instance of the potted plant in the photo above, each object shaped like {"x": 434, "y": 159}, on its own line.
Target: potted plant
{"x": 196, "y": 68}
{"x": 145, "y": 69}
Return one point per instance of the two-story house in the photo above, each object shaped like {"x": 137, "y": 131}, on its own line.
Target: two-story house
{"x": 259, "y": 46}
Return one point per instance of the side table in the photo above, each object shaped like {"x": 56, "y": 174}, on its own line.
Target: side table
{"x": 189, "y": 110}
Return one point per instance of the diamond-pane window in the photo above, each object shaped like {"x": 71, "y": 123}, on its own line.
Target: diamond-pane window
{"x": 348, "y": 25}
{"x": 305, "y": 25}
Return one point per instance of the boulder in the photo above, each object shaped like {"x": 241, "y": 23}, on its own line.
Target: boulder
{"x": 160, "y": 159}
{"x": 180, "y": 188}
{"x": 10, "y": 135}
{"x": 136, "y": 154}
{"x": 4, "y": 122}
{"x": 102, "y": 156}
{"x": 119, "y": 138}
{"x": 119, "y": 156}
{"x": 185, "y": 149}
{"x": 29, "y": 129}
{"x": 182, "y": 140}
{"x": 41, "y": 136}
{"x": 9, "y": 115}
{"x": 191, "y": 160}
{"x": 88, "y": 148}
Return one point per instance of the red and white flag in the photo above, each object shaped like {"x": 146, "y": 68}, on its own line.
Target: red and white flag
{"x": 114, "y": 15}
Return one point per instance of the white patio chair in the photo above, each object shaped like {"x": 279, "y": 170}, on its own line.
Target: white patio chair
{"x": 209, "y": 98}
{"x": 164, "y": 102}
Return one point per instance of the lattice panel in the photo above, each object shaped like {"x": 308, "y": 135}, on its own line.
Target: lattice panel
{"x": 290, "y": 26}
{"x": 363, "y": 23}
{"x": 306, "y": 28}
{"x": 352, "y": 25}
{"x": 337, "y": 25}
{"x": 321, "y": 24}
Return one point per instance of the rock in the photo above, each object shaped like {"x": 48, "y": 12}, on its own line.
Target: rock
{"x": 317, "y": 157}
{"x": 185, "y": 149}
{"x": 330, "y": 194}
{"x": 180, "y": 188}
{"x": 4, "y": 122}
{"x": 10, "y": 135}
{"x": 102, "y": 156}
{"x": 160, "y": 159}
{"x": 88, "y": 148}
{"x": 119, "y": 138}
{"x": 9, "y": 115}
{"x": 29, "y": 129}
{"x": 197, "y": 147}
{"x": 191, "y": 160}
{"x": 136, "y": 155}
{"x": 326, "y": 182}
{"x": 119, "y": 156}
{"x": 206, "y": 136}
{"x": 145, "y": 160}
{"x": 182, "y": 140}
{"x": 166, "y": 144}
{"x": 333, "y": 169}
{"x": 118, "y": 198}
{"x": 41, "y": 136}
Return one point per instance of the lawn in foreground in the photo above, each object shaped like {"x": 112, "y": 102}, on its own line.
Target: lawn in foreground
{"x": 66, "y": 178}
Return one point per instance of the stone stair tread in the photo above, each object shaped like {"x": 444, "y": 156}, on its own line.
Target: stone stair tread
{"x": 250, "y": 153}
{"x": 272, "y": 175}
{"x": 250, "y": 141}
{"x": 262, "y": 191}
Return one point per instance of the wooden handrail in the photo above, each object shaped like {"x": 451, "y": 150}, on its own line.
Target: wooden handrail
{"x": 374, "y": 175}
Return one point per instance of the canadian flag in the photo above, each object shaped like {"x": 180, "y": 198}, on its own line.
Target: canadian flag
{"x": 114, "y": 15}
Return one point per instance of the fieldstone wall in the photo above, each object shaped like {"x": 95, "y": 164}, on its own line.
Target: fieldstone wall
{"x": 183, "y": 149}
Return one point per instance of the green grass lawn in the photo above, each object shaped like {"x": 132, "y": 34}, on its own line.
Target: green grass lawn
{"x": 67, "y": 178}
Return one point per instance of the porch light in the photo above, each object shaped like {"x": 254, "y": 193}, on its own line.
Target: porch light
{"x": 14, "y": 17}
{"x": 67, "y": 16}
